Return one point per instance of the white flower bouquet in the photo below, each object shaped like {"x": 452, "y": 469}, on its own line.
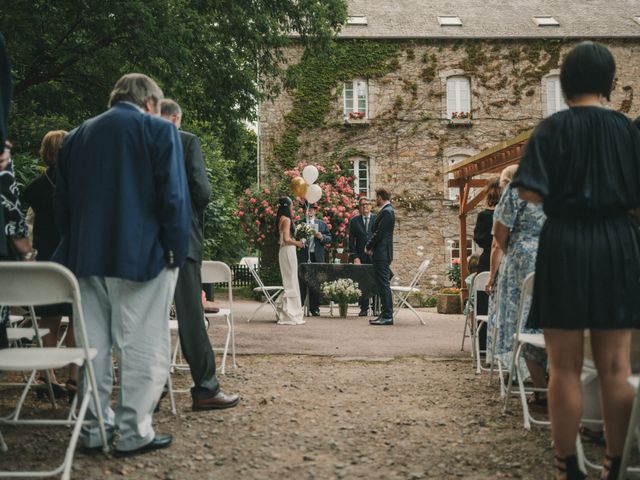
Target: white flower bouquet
{"x": 341, "y": 291}
{"x": 304, "y": 231}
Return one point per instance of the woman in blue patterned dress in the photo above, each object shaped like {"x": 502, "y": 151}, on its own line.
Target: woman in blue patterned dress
{"x": 516, "y": 229}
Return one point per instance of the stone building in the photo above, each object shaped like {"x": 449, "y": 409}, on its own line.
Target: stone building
{"x": 412, "y": 87}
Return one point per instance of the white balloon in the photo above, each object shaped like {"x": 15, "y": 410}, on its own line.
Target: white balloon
{"x": 314, "y": 193}
{"x": 310, "y": 174}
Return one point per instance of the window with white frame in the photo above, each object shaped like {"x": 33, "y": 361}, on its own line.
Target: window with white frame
{"x": 453, "y": 249}
{"x": 360, "y": 170}
{"x": 356, "y": 99}
{"x": 555, "y": 98}
{"x": 458, "y": 95}
{"x": 452, "y": 194}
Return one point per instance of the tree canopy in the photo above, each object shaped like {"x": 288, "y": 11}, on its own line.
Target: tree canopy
{"x": 216, "y": 58}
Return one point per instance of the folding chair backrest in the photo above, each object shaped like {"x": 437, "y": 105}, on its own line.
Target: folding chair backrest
{"x": 216, "y": 272}
{"x": 525, "y": 294}
{"x": 478, "y": 284}
{"x": 41, "y": 283}
{"x": 420, "y": 272}
{"x": 253, "y": 268}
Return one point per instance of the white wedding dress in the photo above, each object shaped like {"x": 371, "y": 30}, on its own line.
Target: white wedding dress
{"x": 289, "y": 304}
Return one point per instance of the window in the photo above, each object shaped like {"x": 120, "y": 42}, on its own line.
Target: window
{"x": 355, "y": 99}
{"x": 555, "y": 98}
{"x": 357, "y": 20}
{"x": 360, "y": 170}
{"x": 453, "y": 249}
{"x": 449, "y": 21}
{"x": 452, "y": 195}
{"x": 458, "y": 95}
{"x": 546, "y": 21}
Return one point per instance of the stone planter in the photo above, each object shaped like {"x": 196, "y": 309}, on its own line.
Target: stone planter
{"x": 460, "y": 122}
{"x": 449, "y": 303}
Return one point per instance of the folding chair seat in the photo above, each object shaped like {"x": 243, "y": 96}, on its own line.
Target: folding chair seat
{"x": 402, "y": 292}
{"x": 633, "y": 431}
{"x": 41, "y": 283}
{"x": 271, "y": 292}
{"x": 519, "y": 341}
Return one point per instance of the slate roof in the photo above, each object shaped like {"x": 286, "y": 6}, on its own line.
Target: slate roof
{"x": 494, "y": 19}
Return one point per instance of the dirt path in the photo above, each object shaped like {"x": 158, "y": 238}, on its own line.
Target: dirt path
{"x": 305, "y": 417}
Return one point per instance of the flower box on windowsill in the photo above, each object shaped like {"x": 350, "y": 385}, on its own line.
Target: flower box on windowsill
{"x": 356, "y": 121}
{"x": 460, "y": 122}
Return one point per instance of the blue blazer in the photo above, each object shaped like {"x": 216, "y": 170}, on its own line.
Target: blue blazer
{"x": 358, "y": 237}
{"x": 381, "y": 241}
{"x": 121, "y": 202}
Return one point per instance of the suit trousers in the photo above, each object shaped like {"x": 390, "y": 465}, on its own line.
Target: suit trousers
{"x": 382, "y": 274}
{"x": 314, "y": 298}
{"x": 194, "y": 340}
{"x": 132, "y": 318}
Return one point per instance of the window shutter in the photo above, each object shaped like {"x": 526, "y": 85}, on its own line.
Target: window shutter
{"x": 348, "y": 98}
{"x": 362, "y": 96}
{"x": 551, "y": 95}
{"x": 458, "y": 95}
{"x": 452, "y": 100}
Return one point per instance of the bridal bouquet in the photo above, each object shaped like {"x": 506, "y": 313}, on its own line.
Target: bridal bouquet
{"x": 304, "y": 231}
{"x": 341, "y": 291}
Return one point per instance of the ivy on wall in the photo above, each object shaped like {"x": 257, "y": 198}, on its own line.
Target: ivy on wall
{"x": 314, "y": 84}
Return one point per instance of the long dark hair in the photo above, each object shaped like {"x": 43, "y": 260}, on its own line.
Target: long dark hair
{"x": 284, "y": 210}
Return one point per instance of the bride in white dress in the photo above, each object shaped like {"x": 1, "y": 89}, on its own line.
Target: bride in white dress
{"x": 289, "y": 303}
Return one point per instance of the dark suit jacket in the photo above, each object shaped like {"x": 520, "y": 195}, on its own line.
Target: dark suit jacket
{"x": 199, "y": 190}
{"x": 303, "y": 253}
{"x": 358, "y": 237}
{"x": 122, "y": 201}
{"x": 381, "y": 242}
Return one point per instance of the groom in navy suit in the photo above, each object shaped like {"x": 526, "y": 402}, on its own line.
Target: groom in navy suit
{"x": 360, "y": 230}
{"x": 380, "y": 247}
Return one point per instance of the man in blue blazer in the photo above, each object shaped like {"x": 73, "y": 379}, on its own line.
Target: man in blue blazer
{"x": 380, "y": 247}
{"x": 123, "y": 210}
{"x": 313, "y": 252}
{"x": 360, "y": 231}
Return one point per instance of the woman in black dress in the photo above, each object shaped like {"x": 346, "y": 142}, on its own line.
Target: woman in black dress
{"x": 584, "y": 165}
{"x": 39, "y": 196}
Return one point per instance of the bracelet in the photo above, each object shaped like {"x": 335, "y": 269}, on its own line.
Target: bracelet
{"x": 30, "y": 255}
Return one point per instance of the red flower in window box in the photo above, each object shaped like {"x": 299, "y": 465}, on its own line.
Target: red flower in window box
{"x": 356, "y": 115}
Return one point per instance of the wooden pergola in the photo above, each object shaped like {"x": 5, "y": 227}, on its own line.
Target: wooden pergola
{"x": 465, "y": 177}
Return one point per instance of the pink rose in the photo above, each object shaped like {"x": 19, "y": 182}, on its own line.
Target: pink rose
{"x": 241, "y": 213}
{"x": 329, "y": 226}
{"x": 252, "y": 201}
{"x": 267, "y": 191}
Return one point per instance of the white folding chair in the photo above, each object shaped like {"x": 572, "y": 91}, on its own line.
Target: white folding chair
{"x": 402, "y": 292}
{"x": 478, "y": 285}
{"x": 468, "y": 321}
{"x": 41, "y": 283}
{"x": 633, "y": 430}
{"x": 519, "y": 341}
{"x": 219, "y": 272}
{"x": 270, "y": 292}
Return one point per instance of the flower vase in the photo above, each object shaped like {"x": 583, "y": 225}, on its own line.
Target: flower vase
{"x": 343, "y": 307}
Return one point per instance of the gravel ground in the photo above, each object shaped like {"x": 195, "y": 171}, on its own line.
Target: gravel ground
{"x": 309, "y": 417}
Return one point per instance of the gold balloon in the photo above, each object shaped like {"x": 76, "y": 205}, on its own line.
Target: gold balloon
{"x": 299, "y": 187}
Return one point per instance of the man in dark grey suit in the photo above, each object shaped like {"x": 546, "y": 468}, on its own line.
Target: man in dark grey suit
{"x": 360, "y": 230}
{"x": 194, "y": 340}
{"x": 313, "y": 252}
{"x": 380, "y": 247}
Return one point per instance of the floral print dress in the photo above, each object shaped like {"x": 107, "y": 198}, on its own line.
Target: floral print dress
{"x": 524, "y": 221}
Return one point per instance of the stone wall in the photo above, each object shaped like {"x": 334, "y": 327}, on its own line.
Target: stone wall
{"x": 408, "y": 140}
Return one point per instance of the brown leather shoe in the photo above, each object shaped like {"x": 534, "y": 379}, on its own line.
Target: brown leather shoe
{"x": 217, "y": 402}
{"x": 210, "y": 307}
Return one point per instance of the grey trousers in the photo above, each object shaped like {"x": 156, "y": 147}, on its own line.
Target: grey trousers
{"x": 132, "y": 318}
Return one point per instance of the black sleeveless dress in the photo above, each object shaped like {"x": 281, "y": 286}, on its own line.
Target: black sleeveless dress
{"x": 585, "y": 163}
